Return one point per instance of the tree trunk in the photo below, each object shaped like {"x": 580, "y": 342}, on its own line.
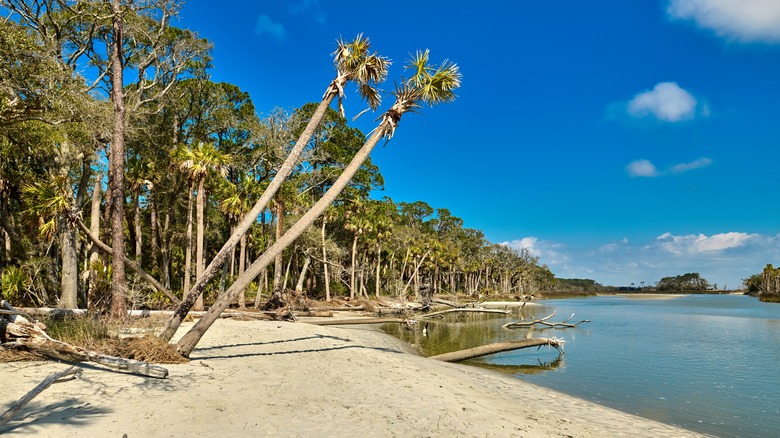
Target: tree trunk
{"x": 188, "y": 342}
{"x": 69, "y": 277}
{"x": 188, "y": 243}
{"x": 278, "y": 260}
{"x": 94, "y": 224}
{"x": 378, "y": 265}
{"x": 117, "y": 167}
{"x": 325, "y": 260}
{"x": 199, "y": 246}
{"x": 302, "y": 277}
{"x": 352, "y": 268}
{"x": 471, "y": 353}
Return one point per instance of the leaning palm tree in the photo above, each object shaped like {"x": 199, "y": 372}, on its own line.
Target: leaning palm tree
{"x": 428, "y": 85}
{"x": 353, "y": 63}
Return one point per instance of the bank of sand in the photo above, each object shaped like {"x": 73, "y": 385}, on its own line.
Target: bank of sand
{"x": 294, "y": 379}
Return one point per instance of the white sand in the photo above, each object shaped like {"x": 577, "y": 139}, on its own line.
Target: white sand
{"x": 294, "y": 379}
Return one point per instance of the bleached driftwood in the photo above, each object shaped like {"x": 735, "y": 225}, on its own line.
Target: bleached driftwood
{"x": 358, "y": 321}
{"x": 57, "y": 377}
{"x": 544, "y": 321}
{"x": 466, "y": 310}
{"x": 18, "y": 331}
{"x": 51, "y": 311}
{"x": 484, "y": 350}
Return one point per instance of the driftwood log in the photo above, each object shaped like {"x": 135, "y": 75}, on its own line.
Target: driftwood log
{"x": 544, "y": 321}
{"x": 18, "y": 331}
{"x": 357, "y": 321}
{"x": 484, "y": 350}
{"x": 57, "y": 377}
{"x": 466, "y": 310}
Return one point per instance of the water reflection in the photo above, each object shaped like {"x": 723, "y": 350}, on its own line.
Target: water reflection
{"x": 459, "y": 331}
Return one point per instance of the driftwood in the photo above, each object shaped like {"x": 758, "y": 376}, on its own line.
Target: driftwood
{"x": 18, "y": 331}
{"x": 466, "y": 310}
{"x": 484, "y": 350}
{"x": 543, "y": 321}
{"x": 57, "y": 377}
{"x": 357, "y": 321}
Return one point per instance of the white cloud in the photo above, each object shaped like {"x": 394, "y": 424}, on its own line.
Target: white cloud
{"x": 699, "y": 243}
{"x": 724, "y": 258}
{"x": 550, "y": 251}
{"x": 695, "y": 164}
{"x": 642, "y": 168}
{"x": 743, "y": 20}
{"x": 267, "y": 26}
{"x": 666, "y": 101}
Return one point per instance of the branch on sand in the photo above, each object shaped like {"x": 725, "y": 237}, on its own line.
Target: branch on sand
{"x": 484, "y": 350}
{"x": 18, "y": 331}
{"x": 57, "y": 377}
{"x": 543, "y": 321}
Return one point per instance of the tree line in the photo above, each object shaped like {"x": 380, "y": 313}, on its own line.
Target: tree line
{"x": 118, "y": 151}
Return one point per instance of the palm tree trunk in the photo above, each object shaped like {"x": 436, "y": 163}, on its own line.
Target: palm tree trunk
{"x": 69, "y": 278}
{"x": 352, "y": 268}
{"x": 278, "y": 260}
{"x": 188, "y": 239}
{"x": 137, "y": 226}
{"x": 302, "y": 277}
{"x": 325, "y": 260}
{"x": 200, "y": 204}
{"x": 378, "y": 265}
{"x": 188, "y": 342}
{"x": 94, "y": 224}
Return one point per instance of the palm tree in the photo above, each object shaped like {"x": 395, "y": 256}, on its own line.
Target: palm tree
{"x": 353, "y": 63}
{"x": 197, "y": 162}
{"x": 428, "y": 85}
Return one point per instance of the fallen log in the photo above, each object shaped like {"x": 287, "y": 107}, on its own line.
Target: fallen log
{"x": 357, "y": 321}
{"x": 466, "y": 310}
{"x": 544, "y": 321}
{"x": 51, "y": 311}
{"x": 484, "y": 350}
{"x": 57, "y": 377}
{"x": 18, "y": 331}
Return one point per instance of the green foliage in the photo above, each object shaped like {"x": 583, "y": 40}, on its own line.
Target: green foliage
{"x": 15, "y": 284}
{"x": 687, "y": 282}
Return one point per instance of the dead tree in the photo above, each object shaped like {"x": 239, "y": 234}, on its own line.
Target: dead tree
{"x": 57, "y": 377}
{"x": 543, "y": 321}
{"x": 484, "y": 350}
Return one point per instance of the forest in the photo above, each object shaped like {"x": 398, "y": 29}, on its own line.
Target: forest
{"x": 128, "y": 178}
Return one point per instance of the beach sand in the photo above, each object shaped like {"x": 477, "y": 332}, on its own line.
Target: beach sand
{"x": 278, "y": 379}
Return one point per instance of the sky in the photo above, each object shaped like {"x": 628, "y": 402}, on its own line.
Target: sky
{"x": 621, "y": 141}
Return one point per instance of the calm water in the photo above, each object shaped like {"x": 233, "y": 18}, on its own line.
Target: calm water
{"x": 709, "y": 363}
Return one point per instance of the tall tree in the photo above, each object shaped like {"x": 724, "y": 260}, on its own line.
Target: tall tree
{"x": 353, "y": 63}
{"x": 428, "y": 85}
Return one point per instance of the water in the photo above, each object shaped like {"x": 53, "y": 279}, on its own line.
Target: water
{"x": 708, "y": 363}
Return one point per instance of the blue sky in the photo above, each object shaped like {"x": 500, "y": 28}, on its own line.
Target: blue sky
{"x": 622, "y": 141}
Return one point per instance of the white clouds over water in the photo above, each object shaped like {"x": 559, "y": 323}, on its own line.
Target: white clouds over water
{"x": 666, "y": 102}
{"x": 722, "y": 258}
{"x": 743, "y": 20}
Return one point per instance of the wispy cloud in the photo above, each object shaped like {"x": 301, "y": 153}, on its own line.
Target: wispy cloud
{"x": 309, "y": 7}
{"x": 645, "y": 168}
{"x": 744, "y": 20}
{"x": 666, "y": 102}
{"x": 265, "y": 25}
{"x": 695, "y": 164}
{"x": 642, "y": 168}
{"x": 722, "y": 258}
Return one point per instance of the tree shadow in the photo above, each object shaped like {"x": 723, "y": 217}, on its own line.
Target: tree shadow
{"x": 281, "y": 341}
{"x": 222, "y": 348}
{"x": 70, "y": 412}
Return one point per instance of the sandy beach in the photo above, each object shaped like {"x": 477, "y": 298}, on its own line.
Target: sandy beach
{"x": 277, "y": 379}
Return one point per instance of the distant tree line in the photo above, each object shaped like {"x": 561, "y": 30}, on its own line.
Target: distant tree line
{"x": 765, "y": 284}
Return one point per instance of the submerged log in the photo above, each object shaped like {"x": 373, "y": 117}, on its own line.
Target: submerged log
{"x": 357, "y": 321}
{"x": 57, "y": 377}
{"x": 18, "y": 331}
{"x": 484, "y": 350}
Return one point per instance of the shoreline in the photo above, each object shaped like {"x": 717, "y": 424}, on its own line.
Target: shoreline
{"x": 258, "y": 378}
